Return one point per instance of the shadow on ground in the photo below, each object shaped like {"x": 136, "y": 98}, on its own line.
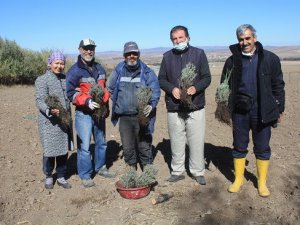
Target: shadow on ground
{"x": 219, "y": 156}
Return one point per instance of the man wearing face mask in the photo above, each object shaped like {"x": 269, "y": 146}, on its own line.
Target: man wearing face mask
{"x": 80, "y": 77}
{"x": 124, "y": 83}
{"x": 257, "y": 101}
{"x": 186, "y": 125}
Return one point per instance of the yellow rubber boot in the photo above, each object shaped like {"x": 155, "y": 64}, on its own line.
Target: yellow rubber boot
{"x": 239, "y": 168}
{"x": 262, "y": 171}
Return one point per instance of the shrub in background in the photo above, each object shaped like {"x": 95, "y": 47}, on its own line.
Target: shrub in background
{"x": 22, "y": 66}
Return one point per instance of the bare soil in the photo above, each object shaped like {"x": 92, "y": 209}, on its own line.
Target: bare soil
{"x": 24, "y": 200}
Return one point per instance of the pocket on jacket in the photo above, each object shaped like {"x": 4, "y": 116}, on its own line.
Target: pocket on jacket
{"x": 243, "y": 102}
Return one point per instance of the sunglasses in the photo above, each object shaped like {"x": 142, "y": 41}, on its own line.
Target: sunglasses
{"x": 89, "y": 47}
{"x": 131, "y": 53}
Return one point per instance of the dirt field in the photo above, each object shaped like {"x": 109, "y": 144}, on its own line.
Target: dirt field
{"x": 24, "y": 200}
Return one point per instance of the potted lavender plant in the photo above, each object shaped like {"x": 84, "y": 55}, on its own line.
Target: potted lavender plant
{"x": 133, "y": 185}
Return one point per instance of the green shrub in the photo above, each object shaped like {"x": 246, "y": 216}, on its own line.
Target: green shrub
{"x": 23, "y": 66}
{"x": 19, "y": 66}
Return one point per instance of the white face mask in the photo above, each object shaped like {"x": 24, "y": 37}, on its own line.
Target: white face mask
{"x": 181, "y": 46}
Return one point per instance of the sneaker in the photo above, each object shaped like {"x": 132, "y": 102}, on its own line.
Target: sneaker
{"x": 200, "y": 180}
{"x": 63, "y": 183}
{"x": 104, "y": 172}
{"x": 88, "y": 183}
{"x": 49, "y": 183}
{"x": 175, "y": 178}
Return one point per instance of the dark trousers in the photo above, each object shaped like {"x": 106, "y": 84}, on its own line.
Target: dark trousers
{"x": 261, "y": 135}
{"x": 61, "y": 165}
{"x": 137, "y": 145}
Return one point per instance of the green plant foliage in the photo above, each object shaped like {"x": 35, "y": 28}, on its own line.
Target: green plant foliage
{"x": 132, "y": 179}
{"x": 129, "y": 179}
{"x": 10, "y": 57}
{"x": 222, "y": 112}
{"x": 32, "y": 66}
{"x": 143, "y": 95}
{"x": 22, "y": 66}
{"x": 188, "y": 75}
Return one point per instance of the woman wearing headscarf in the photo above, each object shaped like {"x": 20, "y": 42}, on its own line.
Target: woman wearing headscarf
{"x": 54, "y": 120}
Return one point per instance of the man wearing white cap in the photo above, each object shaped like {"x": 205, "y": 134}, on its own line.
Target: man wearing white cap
{"x": 80, "y": 77}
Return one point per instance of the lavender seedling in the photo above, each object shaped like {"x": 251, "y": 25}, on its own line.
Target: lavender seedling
{"x": 188, "y": 75}
{"x": 132, "y": 179}
{"x": 97, "y": 92}
{"x": 147, "y": 177}
{"x": 222, "y": 112}
{"x": 143, "y": 97}
{"x": 129, "y": 179}
{"x": 64, "y": 117}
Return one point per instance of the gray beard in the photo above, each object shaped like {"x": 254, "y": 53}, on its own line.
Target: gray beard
{"x": 87, "y": 59}
{"x": 129, "y": 63}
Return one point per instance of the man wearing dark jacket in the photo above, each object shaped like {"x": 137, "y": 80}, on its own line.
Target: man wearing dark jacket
{"x": 257, "y": 102}
{"x": 185, "y": 101}
{"x": 126, "y": 84}
{"x": 81, "y": 77}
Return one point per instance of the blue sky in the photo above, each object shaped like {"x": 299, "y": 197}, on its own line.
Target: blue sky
{"x": 61, "y": 24}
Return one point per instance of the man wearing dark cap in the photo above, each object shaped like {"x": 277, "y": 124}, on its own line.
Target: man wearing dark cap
{"x": 80, "y": 77}
{"x": 125, "y": 85}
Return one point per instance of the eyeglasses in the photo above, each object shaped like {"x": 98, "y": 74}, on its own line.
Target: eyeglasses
{"x": 131, "y": 53}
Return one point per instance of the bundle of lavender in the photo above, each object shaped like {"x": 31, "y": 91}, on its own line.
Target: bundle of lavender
{"x": 97, "y": 92}
{"x": 222, "y": 112}
{"x": 188, "y": 75}
{"x": 131, "y": 179}
{"x": 64, "y": 116}
{"x": 143, "y": 97}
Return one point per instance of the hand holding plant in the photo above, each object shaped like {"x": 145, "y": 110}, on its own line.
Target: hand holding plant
{"x": 143, "y": 98}
{"x": 188, "y": 75}
{"x": 97, "y": 93}
{"x": 62, "y": 114}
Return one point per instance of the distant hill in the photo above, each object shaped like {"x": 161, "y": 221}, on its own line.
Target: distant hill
{"x": 214, "y": 53}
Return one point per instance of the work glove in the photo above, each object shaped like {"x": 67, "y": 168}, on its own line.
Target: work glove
{"x": 147, "y": 110}
{"x": 93, "y": 105}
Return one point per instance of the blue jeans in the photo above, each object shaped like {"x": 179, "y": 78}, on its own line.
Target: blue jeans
{"x": 61, "y": 165}
{"x": 85, "y": 127}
